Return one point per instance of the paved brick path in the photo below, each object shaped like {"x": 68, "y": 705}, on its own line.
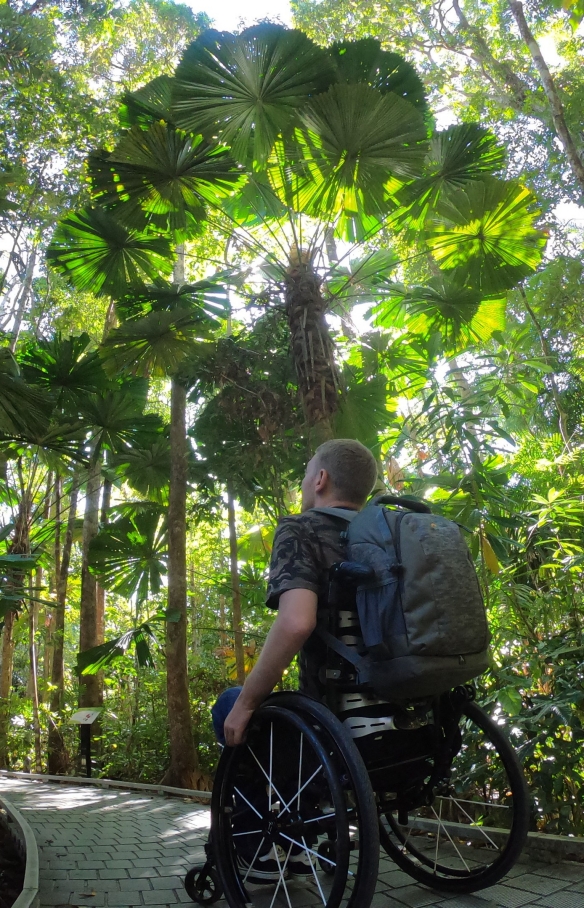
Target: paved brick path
{"x": 111, "y": 848}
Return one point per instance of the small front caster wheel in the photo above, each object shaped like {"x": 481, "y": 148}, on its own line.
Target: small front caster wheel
{"x": 327, "y": 857}
{"x": 202, "y": 885}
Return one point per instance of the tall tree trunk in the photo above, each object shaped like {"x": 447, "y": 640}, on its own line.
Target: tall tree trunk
{"x": 23, "y": 298}
{"x": 32, "y": 648}
{"x": 19, "y": 545}
{"x": 515, "y": 92}
{"x": 312, "y": 349}
{"x": 54, "y": 502}
{"x": 183, "y": 771}
{"x": 222, "y": 622}
{"x": 90, "y": 692}
{"x": 194, "y": 613}
{"x": 58, "y": 760}
{"x": 6, "y": 685}
{"x": 563, "y": 133}
{"x": 100, "y": 591}
{"x": 235, "y": 588}
{"x": 551, "y": 358}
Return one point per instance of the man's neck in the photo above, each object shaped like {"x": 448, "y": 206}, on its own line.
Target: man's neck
{"x": 326, "y": 502}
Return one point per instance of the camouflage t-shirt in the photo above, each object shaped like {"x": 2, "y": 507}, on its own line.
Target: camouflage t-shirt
{"x": 305, "y": 548}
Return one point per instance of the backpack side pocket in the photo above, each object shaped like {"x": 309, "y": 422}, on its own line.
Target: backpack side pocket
{"x": 381, "y": 618}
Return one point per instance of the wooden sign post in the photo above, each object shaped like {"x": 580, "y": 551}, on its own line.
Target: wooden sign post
{"x": 85, "y": 718}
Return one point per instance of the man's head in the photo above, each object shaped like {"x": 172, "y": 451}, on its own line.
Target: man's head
{"x": 342, "y": 472}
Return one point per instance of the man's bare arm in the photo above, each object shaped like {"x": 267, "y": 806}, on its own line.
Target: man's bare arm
{"x": 293, "y": 626}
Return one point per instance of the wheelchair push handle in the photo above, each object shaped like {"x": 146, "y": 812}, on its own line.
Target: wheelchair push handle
{"x": 352, "y": 572}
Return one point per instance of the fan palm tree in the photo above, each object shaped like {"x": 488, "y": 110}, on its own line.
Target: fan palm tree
{"x": 337, "y": 143}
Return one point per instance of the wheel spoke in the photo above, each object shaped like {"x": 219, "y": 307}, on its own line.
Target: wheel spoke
{"x": 450, "y": 838}
{"x": 281, "y": 799}
{"x": 251, "y": 832}
{"x": 281, "y": 881}
{"x": 325, "y": 816}
{"x": 315, "y": 853}
{"x": 271, "y": 765}
{"x": 313, "y": 868}
{"x": 300, "y": 771}
{"x": 249, "y": 804}
{"x": 254, "y": 860}
{"x": 437, "y": 838}
{"x": 286, "y": 807}
{"x": 474, "y": 825}
{"x": 478, "y": 803}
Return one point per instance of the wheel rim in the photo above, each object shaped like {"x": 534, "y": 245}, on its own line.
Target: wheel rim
{"x": 471, "y": 820}
{"x": 283, "y": 780}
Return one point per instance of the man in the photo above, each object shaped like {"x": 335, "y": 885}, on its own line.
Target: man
{"x": 341, "y": 474}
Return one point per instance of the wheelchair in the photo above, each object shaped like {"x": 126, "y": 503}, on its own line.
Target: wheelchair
{"x": 434, "y": 782}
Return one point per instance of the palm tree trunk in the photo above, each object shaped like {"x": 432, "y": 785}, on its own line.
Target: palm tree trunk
{"x": 563, "y": 132}
{"x": 312, "y": 350}
{"x": 235, "y": 588}
{"x": 58, "y": 759}
{"x": 90, "y": 692}
{"x": 183, "y": 771}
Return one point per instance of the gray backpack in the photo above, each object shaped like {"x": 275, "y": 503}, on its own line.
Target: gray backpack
{"x": 422, "y": 616}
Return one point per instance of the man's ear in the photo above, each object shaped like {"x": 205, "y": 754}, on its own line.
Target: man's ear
{"x": 322, "y": 481}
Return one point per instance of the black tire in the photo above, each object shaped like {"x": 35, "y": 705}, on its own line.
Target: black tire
{"x": 268, "y": 789}
{"x": 350, "y": 767}
{"x": 484, "y": 832}
{"x": 202, "y": 885}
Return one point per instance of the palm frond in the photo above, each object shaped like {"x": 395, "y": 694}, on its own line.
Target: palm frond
{"x": 95, "y": 252}
{"x": 246, "y": 89}
{"x": 485, "y": 235}
{"x": 365, "y": 61}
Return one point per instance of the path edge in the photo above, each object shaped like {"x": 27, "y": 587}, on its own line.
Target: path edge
{"x": 192, "y": 793}
{"x": 26, "y": 843}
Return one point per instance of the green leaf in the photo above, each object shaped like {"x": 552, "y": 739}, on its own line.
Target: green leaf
{"x": 207, "y": 299}
{"x": 356, "y": 149}
{"x": 458, "y": 155}
{"x": 146, "y": 469}
{"x": 129, "y": 555}
{"x": 91, "y": 661}
{"x": 245, "y": 89}
{"x": 365, "y": 61}
{"x": 461, "y": 315}
{"x": 23, "y": 410}
{"x": 95, "y": 252}
{"x": 511, "y": 700}
{"x": 363, "y": 411}
{"x": 148, "y": 104}
{"x": 164, "y": 173}
{"x": 154, "y": 345}
{"x": 64, "y": 368}
{"x": 485, "y": 235}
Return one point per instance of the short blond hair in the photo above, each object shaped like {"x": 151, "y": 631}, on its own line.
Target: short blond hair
{"x": 351, "y": 467}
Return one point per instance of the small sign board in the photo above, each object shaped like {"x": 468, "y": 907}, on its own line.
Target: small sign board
{"x": 85, "y": 716}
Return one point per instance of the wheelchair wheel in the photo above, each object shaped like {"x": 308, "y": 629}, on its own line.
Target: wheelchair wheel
{"x": 463, "y": 827}
{"x": 202, "y": 885}
{"x": 364, "y": 863}
{"x": 276, "y": 798}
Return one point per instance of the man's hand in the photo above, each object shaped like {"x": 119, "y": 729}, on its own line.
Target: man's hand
{"x": 295, "y": 622}
{"x": 236, "y": 724}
